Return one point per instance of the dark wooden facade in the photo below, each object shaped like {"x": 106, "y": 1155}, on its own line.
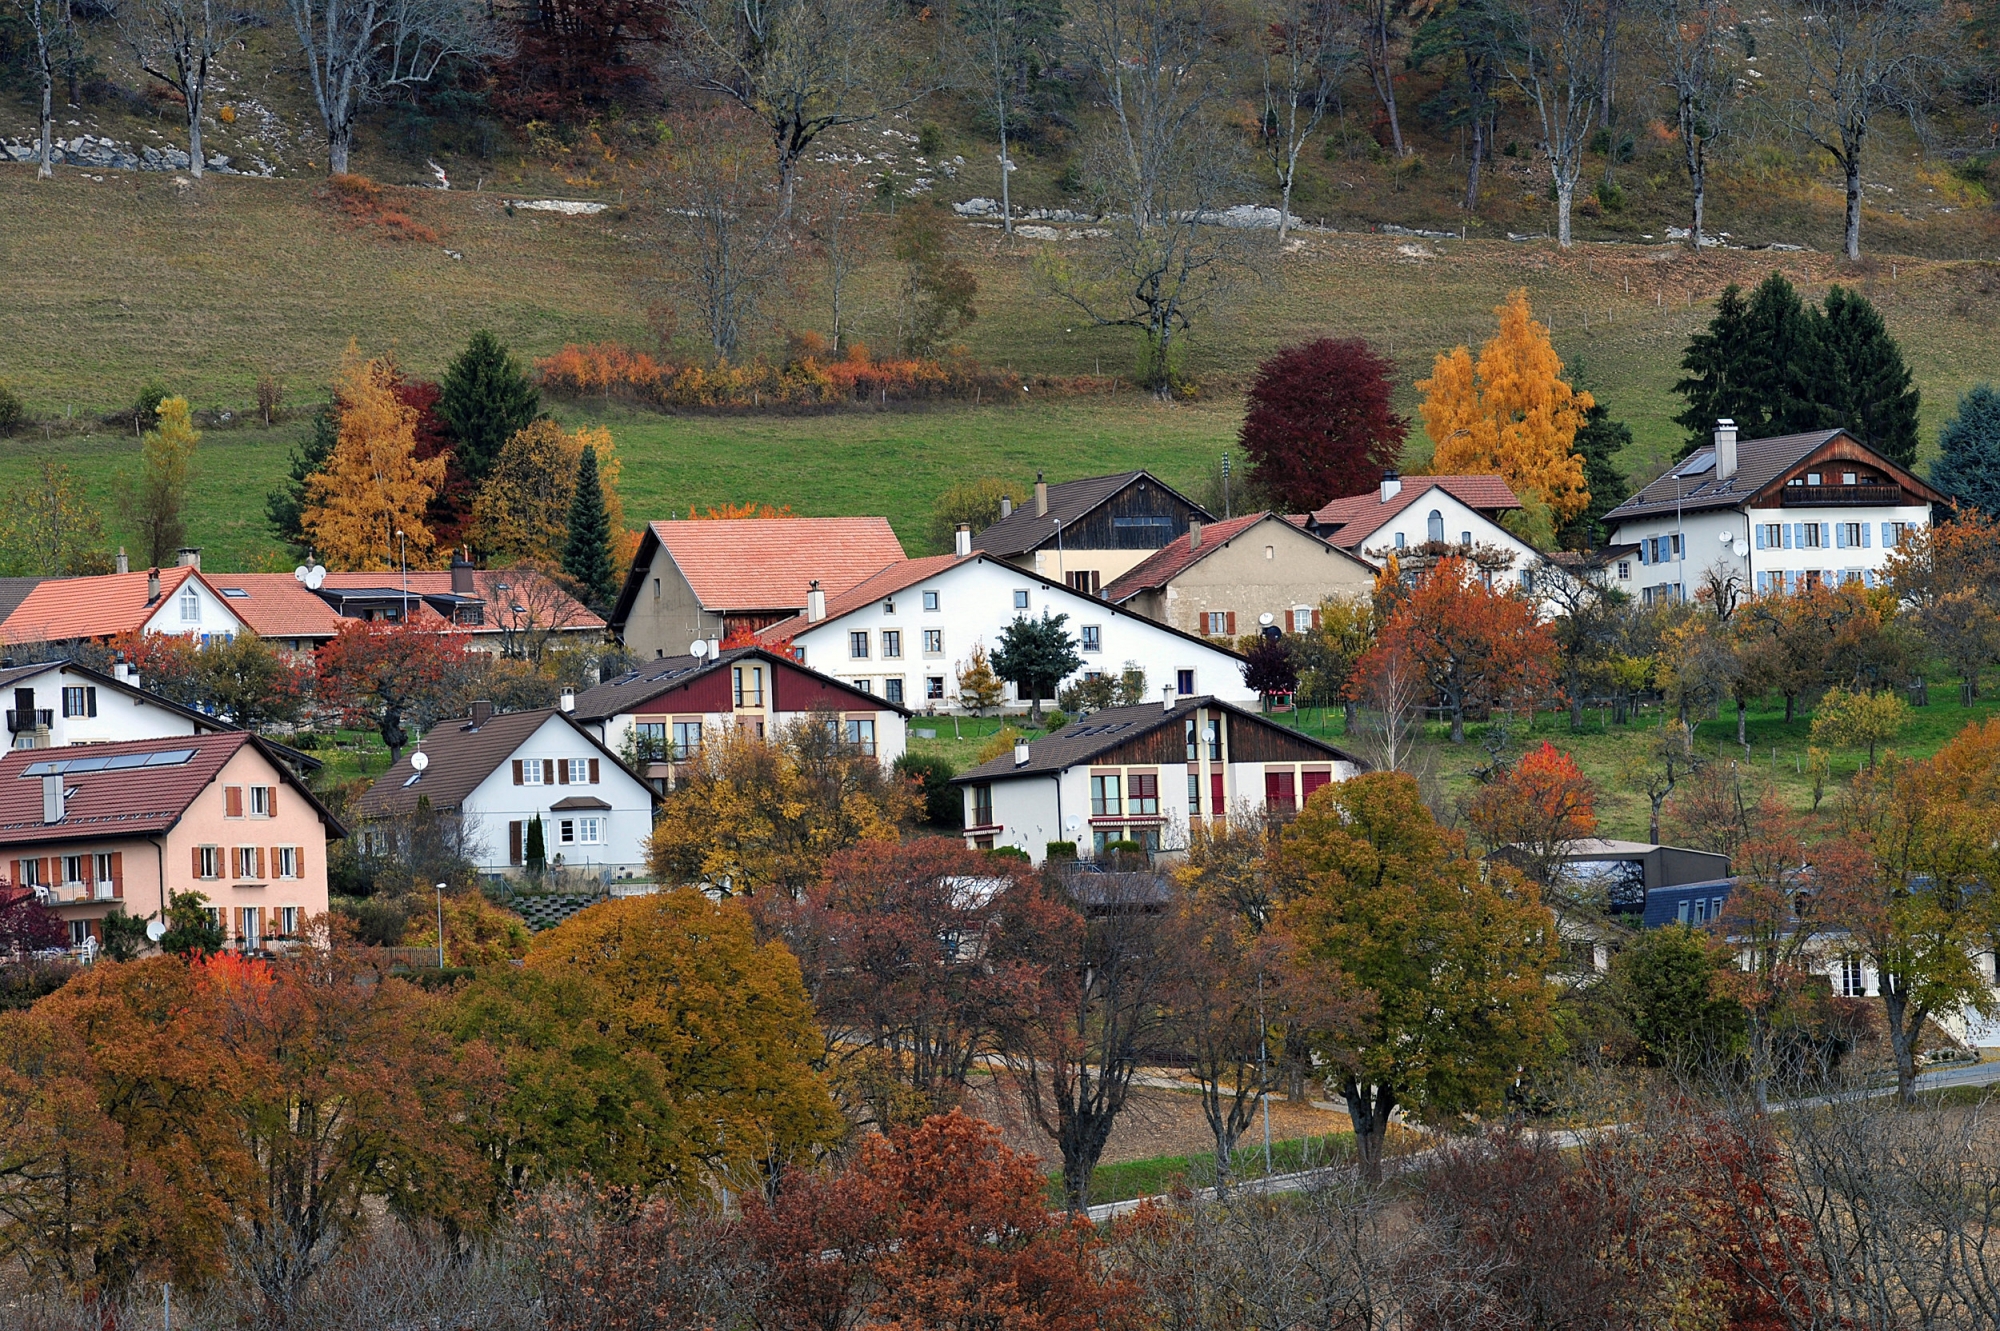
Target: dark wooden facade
{"x": 1143, "y": 516}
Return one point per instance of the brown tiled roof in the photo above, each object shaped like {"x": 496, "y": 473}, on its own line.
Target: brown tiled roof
{"x": 1357, "y": 517}
{"x": 60, "y": 609}
{"x": 1690, "y": 486}
{"x": 904, "y": 573}
{"x": 626, "y": 692}
{"x": 460, "y": 758}
{"x": 1088, "y": 736}
{"x": 127, "y": 798}
{"x": 1022, "y": 531}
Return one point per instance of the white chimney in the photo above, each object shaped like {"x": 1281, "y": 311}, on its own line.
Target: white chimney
{"x": 568, "y": 700}
{"x": 1392, "y": 485}
{"x": 1167, "y": 696}
{"x": 189, "y": 556}
{"x": 1725, "y": 449}
{"x": 1020, "y": 753}
{"x": 1006, "y": 506}
{"x": 52, "y": 798}
{"x": 1041, "y": 496}
{"x": 1194, "y": 534}
{"x": 962, "y": 542}
{"x": 815, "y": 603}
{"x": 124, "y": 564}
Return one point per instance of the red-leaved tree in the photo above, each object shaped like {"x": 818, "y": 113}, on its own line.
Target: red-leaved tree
{"x": 1478, "y": 647}
{"x": 378, "y": 673}
{"x": 1541, "y": 807}
{"x": 1319, "y": 424}
{"x": 451, "y": 505}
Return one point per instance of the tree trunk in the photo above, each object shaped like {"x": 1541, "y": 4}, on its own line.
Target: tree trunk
{"x": 1742, "y": 725}
{"x": 1285, "y": 199}
{"x": 1760, "y": 1060}
{"x": 1697, "y": 179}
{"x": 1458, "y": 720}
{"x": 1368, "y": 1109}
{"x": 1575, "y": 710}
{"x": 1791, "y": 702}
{"x": 1384, "y": 77}
{"x": 1904, "y": 1028}
{"x": 194, "y": 135}
{"x": 1472, "y": 164}
{"x": 1653, "y": 829}
{"x": 1853, "y": 173}
{"x": 338, "y": 141}
{"x": 1565, "y": 194}
{"x": 1347, "y": 716}
{"x": 1006, "y": 169}
{"x": 47, "y": 167}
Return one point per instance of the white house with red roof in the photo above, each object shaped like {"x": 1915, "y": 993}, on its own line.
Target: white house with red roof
{"x": 1431, "y": 512}
{"x": 175, "y": 600}
{"x": 712, "y": 580}
{"x": 904, "y": 634}
{"x": 1241, "y": 575}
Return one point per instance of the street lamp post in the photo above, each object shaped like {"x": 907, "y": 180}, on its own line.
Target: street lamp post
{"x": 403, "y": 557}
{"x": 440, "y": 896}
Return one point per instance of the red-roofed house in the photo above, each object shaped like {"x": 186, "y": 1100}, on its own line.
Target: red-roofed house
{"x": 719, "y": 579}
{"x": 500, "y": 609}
{"x": 1406, "y": 512}
{"x": 1226, "y": 577}
{"x": 120, "y": 826}
{"x": 162, "y": 600}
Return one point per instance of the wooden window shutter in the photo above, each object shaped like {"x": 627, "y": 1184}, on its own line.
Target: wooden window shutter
{"x": 197, "y": 861}
{"x": 593, "y": 772}
{"x": 117, "y": 873}
{"x": 517, "y": 772}
{"x": 1230, "y": 624}
{"x": 548, "y": 771}
{"x": 232, "y": 801}
{"x": 514, "y": 840}
{"x": 298, "y": 861}
{"x": 89, "y": 866}
{"x": 260, "y": 861}
{"x": 1315, "y": 619}
{"x": 562, "y": 771}
{"x": 271, "y": 802}
{"x": 90, "y": 700}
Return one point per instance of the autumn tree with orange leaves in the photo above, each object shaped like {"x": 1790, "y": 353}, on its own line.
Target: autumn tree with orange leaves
{"x": 374, "y": 485}
{"x": 1536, "y": 812}
{"x": 1477, "y": 647}
{"x": 1510, "y": 413}
{"x": 378, "y": 672}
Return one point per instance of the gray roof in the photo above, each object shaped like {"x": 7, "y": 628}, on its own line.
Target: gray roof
{"x": 1691, "y": 485}
{"x": 1087, "y": 737}
{"x": 634, "y": 688}
{"x": 13, "y": 591}
{"x": 1022, "y": 531}
{"x": 460, "y": 758}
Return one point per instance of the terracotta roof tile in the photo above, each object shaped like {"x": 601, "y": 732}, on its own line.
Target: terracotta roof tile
{"x": 278, "y": 605}
{"x": 768, "y": 563}
{"x": 1356, "y": 517}
{"x": 63, "y": 608}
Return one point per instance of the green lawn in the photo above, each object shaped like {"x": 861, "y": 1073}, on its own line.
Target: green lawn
{"x": 1152, "y": 1178}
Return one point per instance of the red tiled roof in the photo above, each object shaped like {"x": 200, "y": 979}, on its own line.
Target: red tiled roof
{"x": 887, "y": 582}
{"x": 278, "y": 606}
{"x": 768, "y": 563}
{"x": 120, "y": 801}
{"x": 1171, "y": 559}
{"x": 95, "y": 607}
{"x": 1359, "y": 516}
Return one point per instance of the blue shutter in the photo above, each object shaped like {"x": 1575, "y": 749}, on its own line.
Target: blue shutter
{"x": 1888, "y": 537}
{"x": 1864, "y": 536}
{"x": 1826, "y": 536}
{"x": 1840, "y": 536}
{"x": 1645, "y": 544}
{"x": 1760, "y": 535}
{"x": 1786, "y": 530}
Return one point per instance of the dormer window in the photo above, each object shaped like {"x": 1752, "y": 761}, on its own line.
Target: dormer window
{"x": 190, "y": 606}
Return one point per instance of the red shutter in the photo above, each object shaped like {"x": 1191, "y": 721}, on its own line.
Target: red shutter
{"x": 593, "y": 771}
{"x": 1230, "y": 624}
{"x": 89, "y": 866}
{"x": 1312, "y": 781}
{"x": 1219, "y": 802}
{"x": 1315, "y": 619}
{"x": 1278, "y": 790}
{"x": 517, "y": 771}
{"x": 271, "y": 801}
{"x": 197, "y": 861}
{"x": 562, "y": 771}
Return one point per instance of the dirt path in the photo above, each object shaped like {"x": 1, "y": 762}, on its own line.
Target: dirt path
{"x": 1155, "y": 1123}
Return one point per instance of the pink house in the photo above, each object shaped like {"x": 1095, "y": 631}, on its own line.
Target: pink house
{"x": 104, "y": 827}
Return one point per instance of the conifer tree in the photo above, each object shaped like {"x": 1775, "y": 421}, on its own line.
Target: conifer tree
{"x": 487, "y": 398}
{"x": 285, "y": 506}
{"x": 523, "y": 509}
{"x": 374, "y": 485}
{"x": 159, "y": 502}
{"x": 587, "y": 556}
{"x": 1598, "y": 443}
{"x": 1875, "y": 397}
{"x": 1968, "y": 464}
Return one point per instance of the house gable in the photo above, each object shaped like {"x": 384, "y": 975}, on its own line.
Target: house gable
{"x": 1872, "y": 472}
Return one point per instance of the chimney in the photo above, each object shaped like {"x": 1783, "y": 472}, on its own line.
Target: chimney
{"x": 152, "y": 585}
{"x": 1392, "y": 485}
{"x": 482, "y": 712}
{"x": 1041, "y": 496}
{"x": 124, "y": 564}
{"x": 52, "y": 798}
{"x": 568, "y": 703}
{"x": 962, "y": 544}
{"x": 1020, "y": 753}
{"x": 129, "y": 672}
{"x": 815, "y": 603}
{"x": 461, "y": 574}
{"x": 1006, "y": 506}
{"x": 1194, "y": 534}
{"x": 1167, "y": 697}
{"x": 1725, "y": 449}
{"x": 189, "y": 556}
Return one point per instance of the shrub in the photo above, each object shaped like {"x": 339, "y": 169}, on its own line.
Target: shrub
{"x": 809, "y": 378}
{"x": 1061, "y": 850}
{"x": 1008, "y": 853}
{"x": 942, "y": 805}
{"x": 362, "y": 202}
{"x": 1056, "y": 720}
{"x": 13, "y": 411}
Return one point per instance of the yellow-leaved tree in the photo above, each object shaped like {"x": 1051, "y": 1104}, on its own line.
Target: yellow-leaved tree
{"x": 522, "y": 509}
{"x": 1511, "y": 413}
{"x": 374, "y": 484}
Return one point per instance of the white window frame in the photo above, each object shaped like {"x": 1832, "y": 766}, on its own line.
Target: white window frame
{"x": 531, "y": 771}
{"x": 931, "y": 601}
{"x": 933, "y": 642}
{"x": 190, "y": 603}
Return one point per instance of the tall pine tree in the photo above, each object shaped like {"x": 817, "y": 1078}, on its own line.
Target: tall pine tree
{"x": 486, "y": 396}
{"x": 1968, "y": 464}
{"x": 284, "y": 506}
{"x": 587, "y": 556}
{"x": 1875, "y": 397}
{"x": 1599, "y": 443}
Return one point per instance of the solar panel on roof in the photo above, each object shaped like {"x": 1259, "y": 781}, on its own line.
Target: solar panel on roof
{"x": 1698, "y": 463}
{"x": 124, "y": 760}
{"x": 169, "y": 757}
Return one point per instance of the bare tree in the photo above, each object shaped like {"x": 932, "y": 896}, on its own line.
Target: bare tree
{"x": 1305, "y": 58}
{"x": 1392, "y": 701}
{"x": 999, "y": 36}
{"x": 43, "y": 17}
{"x": 1700, "y": 71}
{"x": 838, "y": 198}
{"x": 726, "y": 233}
{"x": 358, "y": 50}
{"x": 176, "y": 41}
{"x": 1857, "y": 59}
{"x": 1378, "y": 23}
{"x": 531, "y": 609}
{"x": 1554, "y": 60}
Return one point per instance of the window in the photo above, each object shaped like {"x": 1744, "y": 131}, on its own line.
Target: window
{"x": 934, "y": 688}
{"x": 72, "y": 869}
{"x": 1148, "y": 838}
{"x": 207, "y": 861}
{"x": 1218, "y": 623}
{"x": 930, "y": 601}
{"x": 888, "y": 605}
{"x": 1809, "y": 534}
{"x": 1527, "y": 580}
{"x": 566, "y": 832}
{"x": 80, "y": 701}
{"x": 1020, "y": 598}
{"x": 190, "y": 606}
{"x": 649, "y": 741}
{"x": 1847, "y": 478}
{"x": 1184, "y": 682}
{"x": 1812, "y": 478}
{"x": 1194, "y": 786}
{"x": 1093, "y": 637}
{"x": 1893, "y": 533}
{"x": 1399, "y": 540}
{"x": 576, "y": 771}
{"x": 749, "y": 681}
{"x": 1771, "y": 536}
{"x": 1145, "y": 794}
{"x": 857, "y": 645}
{"x": 656, "y": 589}
{"x": 1465, "y": 538}
{"x": 285, "y": 863}
{"x": 246, "y": 865}
{"x": 1302, "y": 619}
{"x": 865, "y": 685}
{"x": 249, "y": 926}
{"x": 1434, "y": 526}
{"x": 687, "y": 740}
{"x": 1141, "y": 533}
{"x": 1853, "y": 982}
{"x": 31, "y": 874}
{"x": 1105, "y": 797}
{"x": 261, "y": 801}
{"x": 892, "y": 689}
{"x": 982, "y": 806}
{"x": 892, "y": 643}
{"x": 1213, "y": 734}
{"x": 1625, "y": 569}
{"x": 288, "y": 921}
{"x": 861, "y": 734}
{"x": 1850, "y": 534}
{"x": 105, "y": 871}
{"x": 589, "y": 831}
{"x": 933, "y": 642}
{"x": 1085, "y": 581}
{"x": 531, "y": 772}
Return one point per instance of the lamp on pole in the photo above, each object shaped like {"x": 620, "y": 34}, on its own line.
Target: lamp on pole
{"x": 403, "y": 558}
{"x": 440, "y": 896}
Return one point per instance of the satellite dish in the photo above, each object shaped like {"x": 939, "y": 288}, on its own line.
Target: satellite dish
{"x": 1728, "y": 538}
{"x": 420, "y": 760}
{"x": 316, "y": 577}
{"x": 300, "y": 572}
{"x": 698, "y": 648}
{"x": 155, "y": 931}
{"x": 1267, "y": 618}
{"x": 1741, "y": 548}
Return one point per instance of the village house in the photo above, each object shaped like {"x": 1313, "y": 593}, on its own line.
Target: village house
{"x": 1419, "y": 519}
{"x": 499, "y": 772}
{"x": 52, "y": 704}
{"x": 1774, "y": 515}
{"x": 122, "y": 826}
{"x": 905, "y": 634}
{"x": 1088, "y": 533}
{"x": 658, "y": 716}
{"x": 176, "y": 600}
{"x": 1147, "y": 774}
{"x": 1240, "y": 575}
{"x": 721, "y": 580}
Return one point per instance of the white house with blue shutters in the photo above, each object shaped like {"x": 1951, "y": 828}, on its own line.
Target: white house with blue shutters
{"x": 1777, "y": 514}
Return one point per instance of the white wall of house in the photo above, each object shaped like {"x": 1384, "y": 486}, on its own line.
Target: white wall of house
{"x": 119, "y": 715}
{"x": 1778, "y": 546}
{"x": 974, "y": 602}
{"x": 192, "y": 608}
{"x": 1413, "y": 526}
{"x": 620, "y": 832}
{"x": 891, "y": 729}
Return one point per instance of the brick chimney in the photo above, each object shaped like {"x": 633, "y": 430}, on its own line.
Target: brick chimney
{"x": 482, "y": 712}
{"x": 461, "y": 574}
{"x": 1041, "y": 496}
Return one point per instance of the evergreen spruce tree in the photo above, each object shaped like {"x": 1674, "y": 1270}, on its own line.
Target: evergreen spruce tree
{"x": 285, "y": 506}
{"x": 587, "y": 556}
{"x": 1875, "y": 398}
{"x": 1761, "y": 363}
{"x": 1599, "y": 442}
{"x": 1715, "y": 360}
{"x": 535, "y": 855}
{"x": 1968, "y": 464}
{"x": 486, "y": 396}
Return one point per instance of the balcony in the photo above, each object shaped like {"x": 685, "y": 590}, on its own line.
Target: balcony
{"x": 31, "y": 718}
{"x": 1842, "y": 496}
